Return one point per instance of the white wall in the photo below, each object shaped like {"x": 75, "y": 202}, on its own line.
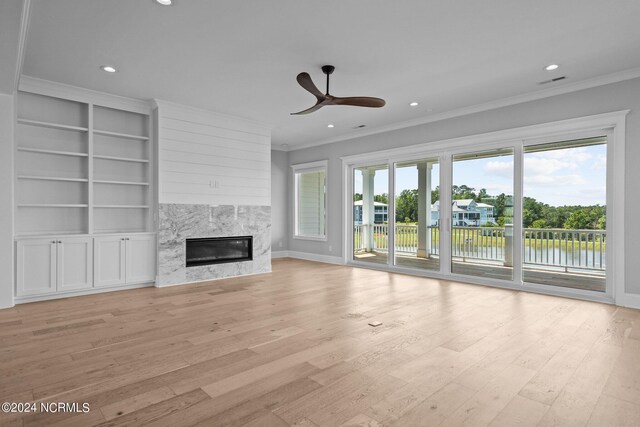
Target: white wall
{"x": 11, "y": 24}
{"x": 602, "y": 99}
{"x": 6, "y": 196}
{"x": 210, "y": 158}
{"x": 279, "y": 200}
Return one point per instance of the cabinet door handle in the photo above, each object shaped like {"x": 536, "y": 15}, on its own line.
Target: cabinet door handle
{"x": 127, "y": 238}
{"x": 53, "y": 241}
{"x": 59, "y": 241}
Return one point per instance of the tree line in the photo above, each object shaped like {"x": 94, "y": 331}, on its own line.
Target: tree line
{"x": 535, "y": 214}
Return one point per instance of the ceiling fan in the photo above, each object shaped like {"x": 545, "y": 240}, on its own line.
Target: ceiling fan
{"x": 304, "y": 79}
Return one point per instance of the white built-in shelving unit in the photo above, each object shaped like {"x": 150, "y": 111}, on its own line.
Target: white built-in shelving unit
{"x": 81, "y": 168}
{"x": 121, "y": 171}
{"x": 83, "y": 172}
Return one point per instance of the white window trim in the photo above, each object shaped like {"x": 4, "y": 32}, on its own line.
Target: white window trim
{"x": 310, "y": 167}
{"x": 614, "y": 122}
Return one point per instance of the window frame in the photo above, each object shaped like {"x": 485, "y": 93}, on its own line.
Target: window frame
{"x": 321, "y": 165}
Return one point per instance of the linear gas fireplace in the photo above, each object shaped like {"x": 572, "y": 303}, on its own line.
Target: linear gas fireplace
{"x": 218, "y": 250}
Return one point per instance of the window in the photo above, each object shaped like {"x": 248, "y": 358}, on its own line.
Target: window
{"x": 310, "y": 200}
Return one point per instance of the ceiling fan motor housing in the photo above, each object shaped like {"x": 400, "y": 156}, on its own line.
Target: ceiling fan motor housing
{"x": 328, "y": 69}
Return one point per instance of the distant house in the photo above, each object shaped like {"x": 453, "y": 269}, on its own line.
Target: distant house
{"x": 465, "y": 213}
{"x": 380, "y": 212}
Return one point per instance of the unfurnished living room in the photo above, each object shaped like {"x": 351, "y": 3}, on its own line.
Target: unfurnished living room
{"x": 336, "y": 213}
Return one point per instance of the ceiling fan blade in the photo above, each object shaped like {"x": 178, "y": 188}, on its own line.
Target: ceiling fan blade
{"x": 360, "y": 101}
{"x": 316, "y": 107}
{"x": 304, "y": 79}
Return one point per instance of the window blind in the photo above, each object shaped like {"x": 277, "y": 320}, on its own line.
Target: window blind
{"x": 311, "y": 203}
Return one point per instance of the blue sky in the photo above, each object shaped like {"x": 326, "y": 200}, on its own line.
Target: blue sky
{"x": 571, "y": 176}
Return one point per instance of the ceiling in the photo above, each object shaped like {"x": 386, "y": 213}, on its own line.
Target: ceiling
{"x": 242, "y": 57}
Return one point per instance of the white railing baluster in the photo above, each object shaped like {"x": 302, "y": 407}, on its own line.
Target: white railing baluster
{"x": 487, "y": 244}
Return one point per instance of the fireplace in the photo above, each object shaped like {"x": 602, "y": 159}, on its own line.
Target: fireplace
{"x": 219, "y": 250}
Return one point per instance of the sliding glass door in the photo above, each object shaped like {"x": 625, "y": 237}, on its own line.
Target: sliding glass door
{"x": 524, "y": 213}
{"x": 417, "y": 224}
{"x": 482, "y": 214}
{"x": 371, "y": 214}
{"x": 564, "y": 220}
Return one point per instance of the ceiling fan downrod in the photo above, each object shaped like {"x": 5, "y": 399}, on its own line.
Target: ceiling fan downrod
{"x": 328, "y": 69}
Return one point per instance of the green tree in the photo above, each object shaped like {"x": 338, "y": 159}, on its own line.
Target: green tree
{"x": 357, "y": 196}
{"x": 539, "y": 223}
{"x": 463, "y": 192}
{"x": 500, "y": 203}
{"x": 531, "y": 211}
{"x": 435, "y": 194}
{"x": 578, "y": 220}
{"x": 407, "y": 206}
{"x": 602, "y": 223}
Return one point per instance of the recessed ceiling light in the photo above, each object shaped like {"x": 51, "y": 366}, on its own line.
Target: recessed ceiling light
{"x": 330, "y": 125}
{"x": 165, "y": 2}
{"x": 414, "y": 104}
{"x": 108, "y": 69}
{"x": 551, "y": 67}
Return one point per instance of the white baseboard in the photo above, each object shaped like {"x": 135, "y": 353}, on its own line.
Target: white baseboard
{"x": 279, "y": 254}
{"x": 630, "y": 300}
{"x": 327, "y": 259}
{"x": 91, "y": 291}
{"x": 7, "y": 304}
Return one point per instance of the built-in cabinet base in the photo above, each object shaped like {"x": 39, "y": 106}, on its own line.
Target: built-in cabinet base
{"x": 53, "y": 266}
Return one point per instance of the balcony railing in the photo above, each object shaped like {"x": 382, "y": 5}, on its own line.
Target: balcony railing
{"x": 547, "y": 248}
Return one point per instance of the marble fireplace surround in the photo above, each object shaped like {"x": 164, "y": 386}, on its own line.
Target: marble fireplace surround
{"x": 178, "y": 222}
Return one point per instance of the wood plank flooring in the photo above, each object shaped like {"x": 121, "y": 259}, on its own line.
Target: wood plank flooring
{"x": 294, "y": 348}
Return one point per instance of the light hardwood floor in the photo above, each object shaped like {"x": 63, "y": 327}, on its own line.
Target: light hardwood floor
{"x": 294, "y": 348}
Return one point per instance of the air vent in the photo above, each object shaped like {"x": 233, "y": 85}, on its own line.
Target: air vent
{"x": 358, "y": 127}
{"x": 557, "y": 79}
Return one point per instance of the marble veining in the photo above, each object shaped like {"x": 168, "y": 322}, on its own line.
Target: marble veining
{"x": 178, "y": 222}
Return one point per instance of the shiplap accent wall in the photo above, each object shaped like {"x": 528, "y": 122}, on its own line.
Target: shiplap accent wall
{"x": 211, "y": 158}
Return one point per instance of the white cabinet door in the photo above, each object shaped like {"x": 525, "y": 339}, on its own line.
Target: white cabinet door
{"x": 36, "y": 267}
{"x": 109, "y": 265}
{"x": 75, "y": 263}
{"x": 141, "y": 258}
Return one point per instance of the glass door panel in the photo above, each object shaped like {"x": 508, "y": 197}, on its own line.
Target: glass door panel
{"x": 417, "y": 232}
{"x": 482, "y": 214}
{"x": 370, "y": 214}
{"x": 564, "y": 214}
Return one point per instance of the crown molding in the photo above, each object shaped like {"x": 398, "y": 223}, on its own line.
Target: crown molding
{"x": 25, "y": 19}
{"x": 491, "y": 105}
{"x": 74, "y": 93}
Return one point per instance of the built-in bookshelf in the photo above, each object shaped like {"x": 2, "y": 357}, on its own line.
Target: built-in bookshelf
{"x": 121, "y": 171}
{"x": 81, "y": 168}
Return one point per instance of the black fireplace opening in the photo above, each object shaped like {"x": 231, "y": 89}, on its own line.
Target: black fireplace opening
{"x": 218, "y": 250}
